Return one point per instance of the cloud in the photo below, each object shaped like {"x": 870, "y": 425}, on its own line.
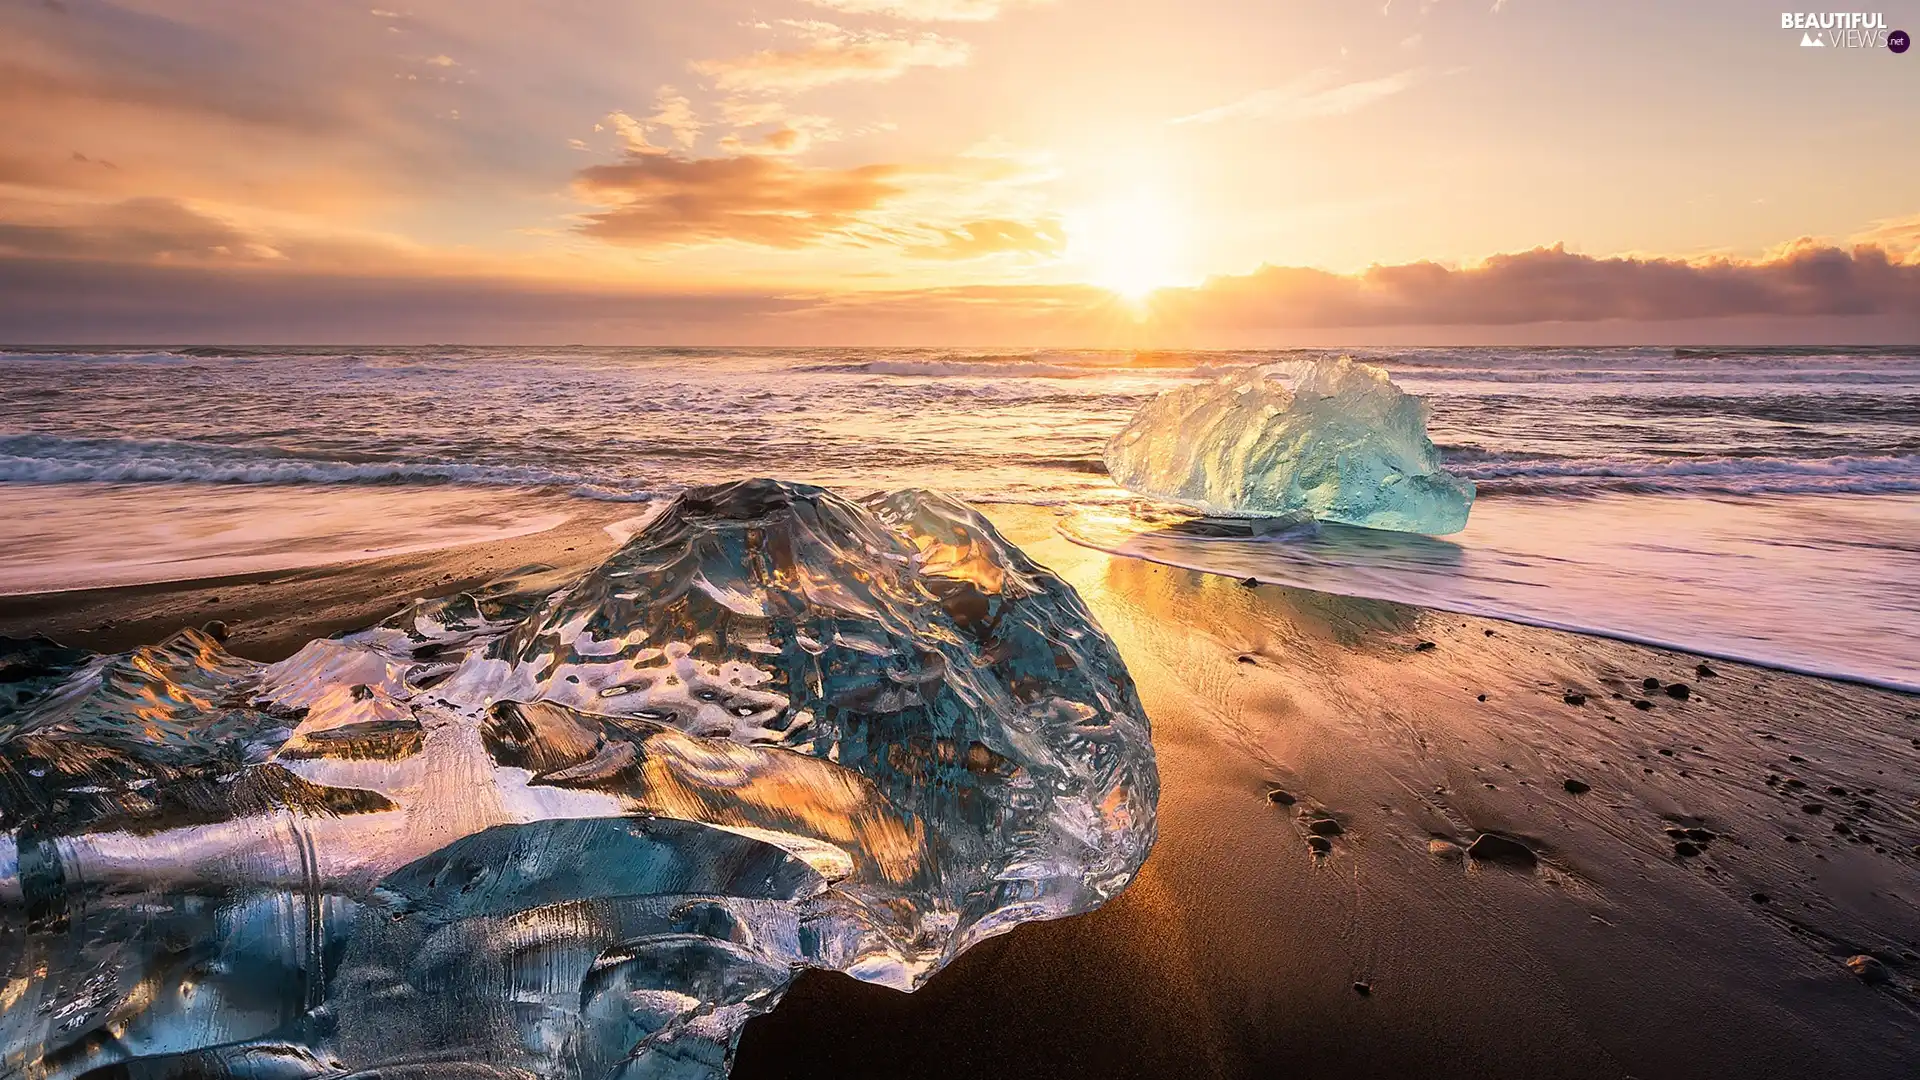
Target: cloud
{"x": 1551, "y": 284}
{"x": 154, "y": 272}
{"x": 1045, "y": 238}
{"x": 135, "y": 230}
{"x": 672, "y": 112}
{"x": 925, "y": 10}
{"x": 54, "y": 301}
{"x": 1315, "y": 94}
{"x": 829, "y": 54}
{"x": 1899, "y": 236}
{"x": 659, "y": 199}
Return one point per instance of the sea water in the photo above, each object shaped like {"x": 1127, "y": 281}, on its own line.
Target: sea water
{"x": 1748, "y": 503}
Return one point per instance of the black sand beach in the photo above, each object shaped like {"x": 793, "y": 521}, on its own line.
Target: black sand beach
{"x": 1686, "y": 913}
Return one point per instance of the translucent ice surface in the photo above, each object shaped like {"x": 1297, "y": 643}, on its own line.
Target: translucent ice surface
{"x": 1344, "y": 444}
{"x": 568, "y": 828}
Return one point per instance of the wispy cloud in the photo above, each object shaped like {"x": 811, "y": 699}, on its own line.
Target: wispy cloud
{"x": 1318, "y": 93}
{"x": 672, "y": 113}
{"x": 997, "y": 236}
{"x": 831, "y": 54}
{"x": 926, "y": 10}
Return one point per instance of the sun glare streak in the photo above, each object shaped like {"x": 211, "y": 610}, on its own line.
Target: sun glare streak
{"x": 1131, "y": 246}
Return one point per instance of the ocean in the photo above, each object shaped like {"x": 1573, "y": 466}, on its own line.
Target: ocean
{"x": 1748, "y": 504}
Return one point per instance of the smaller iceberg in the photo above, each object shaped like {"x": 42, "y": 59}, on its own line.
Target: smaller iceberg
{"x": 1345, "y": 444}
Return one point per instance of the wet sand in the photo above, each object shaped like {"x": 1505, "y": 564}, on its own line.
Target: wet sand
{"x": 1240, "y": 951}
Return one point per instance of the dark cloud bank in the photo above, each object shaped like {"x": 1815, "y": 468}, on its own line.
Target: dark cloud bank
{"x": 1809, "y": 294}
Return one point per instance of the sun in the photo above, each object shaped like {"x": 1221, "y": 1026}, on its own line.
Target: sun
{"x": 1131, "y": 245}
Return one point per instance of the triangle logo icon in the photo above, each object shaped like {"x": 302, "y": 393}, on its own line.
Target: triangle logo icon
{"x": 1808, "y": 41}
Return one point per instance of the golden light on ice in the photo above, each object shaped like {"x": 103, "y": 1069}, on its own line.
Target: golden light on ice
{"x": 1131, "y": 245}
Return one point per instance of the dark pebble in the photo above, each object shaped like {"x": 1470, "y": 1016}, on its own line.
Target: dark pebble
{"x": 1678, "y": 691}
{"x": 1702, "y": 836}
{"x": 1796, "y": 759}
{"x": 1325, "y": 826}
{"x": 1247, "y": 660}
{"x": 1482, "y": 697}
{"x": 1813, "y": 807}
{"x": 1319, "y": 845}
{"x": 1572, "y": 698}
{"x": 1489, "y": 633}
{"x": 1250, "y": 583}
{"x": 1425, "y": 646}
{"x": 1685, "y": 849}
{"x": 1279, "y": 797}
{"x": 1705, "y": 672}
{"x": 1795, "y": 783}
{"x": 1649, "y": 683}
{"x": 216, "y": 630}
{"x": 1576, "y": 787}
{"x": 1762, "y": 898}
{"x": 1836, "y": 790}
{"x": 1362, "y": 989}
{"x": 1642, "y": 704}
{"x": 1493, "y": 847}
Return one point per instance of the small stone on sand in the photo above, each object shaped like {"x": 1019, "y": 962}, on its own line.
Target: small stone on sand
{"x": 1572, "y": 698}
{"x": 1280, "y": 797}
{"x": 1679, "y": 692}
{"x": 1325, "y": 826}
{"x": 1705, "y": 672}
{"x": 1871, "y": 971}
{"x": 1762, "y": 898}
{"x": 216, "y": 630}
{"x": 1425, "y": 646}
{"x": 1319, "y": 845}
{"x": 1649, "y": 683}
{"x": 1642, "y": 704}
{"x": 1250, "y": 583}
{"x": 1493, "y": 847}
{"x": 1362, "y": 989}
{"x": 1482, "y": 697}
{"x": 1685, "y": 849}
{"x": 1813, "y": 807}
{"x": 1576, "y": 787}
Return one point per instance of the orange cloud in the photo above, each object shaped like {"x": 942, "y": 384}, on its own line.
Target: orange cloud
{"x": 658, "y": 199}
{"x": 833, "y": 55}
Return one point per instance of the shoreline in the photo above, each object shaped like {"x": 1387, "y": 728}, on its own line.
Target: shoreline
{"x": 1785, "y": 667}
{"x": 1237, "y": 950}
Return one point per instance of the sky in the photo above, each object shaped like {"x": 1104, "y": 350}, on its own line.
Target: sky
{"x": 1099, "y": 173}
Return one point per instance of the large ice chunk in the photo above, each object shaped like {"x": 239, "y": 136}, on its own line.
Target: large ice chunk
{"x": 1345, "y": 444}
{"x": 564, "y": 828}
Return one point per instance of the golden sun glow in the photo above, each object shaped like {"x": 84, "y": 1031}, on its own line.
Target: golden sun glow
{"x": 1131, "y": 246}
